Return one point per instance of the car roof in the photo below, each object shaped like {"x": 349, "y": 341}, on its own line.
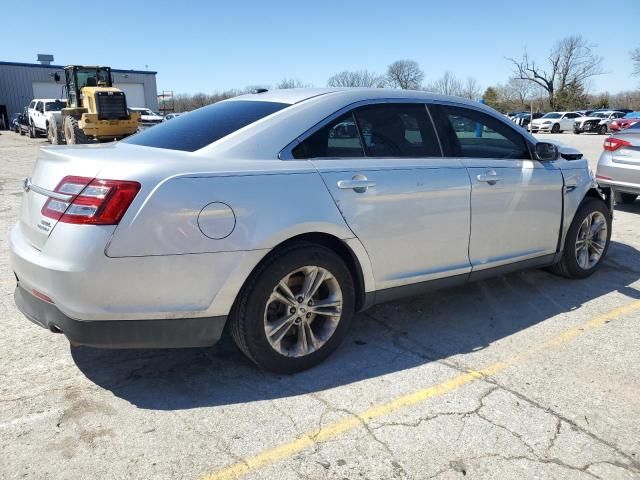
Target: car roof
{"x": 349, "y": 94}
{"x": 49, "y": 100}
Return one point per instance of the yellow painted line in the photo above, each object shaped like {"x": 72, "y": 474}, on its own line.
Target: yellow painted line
{"x": 8, "y": 282}
{"x": 332, "y": 430}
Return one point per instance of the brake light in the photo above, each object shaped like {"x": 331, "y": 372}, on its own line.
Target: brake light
{"x": 612, "y": 144}
{"x": 92, "y": 201}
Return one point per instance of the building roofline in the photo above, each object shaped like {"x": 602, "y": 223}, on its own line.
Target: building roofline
{"x": 61, "y": 67}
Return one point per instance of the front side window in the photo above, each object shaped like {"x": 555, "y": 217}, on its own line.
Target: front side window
{"x": 39, "y": 106}
{"x": 339, "y": 138}
{"x": 397, "y": 130}
{"x": 469, "y": 133}
{"x": 205, "y": 125}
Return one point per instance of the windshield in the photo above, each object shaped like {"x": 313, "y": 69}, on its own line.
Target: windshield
{"x": 96, "y": 75}
{"x": 632, "y": 115}
{"x": 55, "y": 106}
{"x": 205, "y": 125}
{"x": 552, "y": 115}
{"x": 600, "y": 114}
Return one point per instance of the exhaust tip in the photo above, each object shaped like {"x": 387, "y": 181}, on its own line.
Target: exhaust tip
{"x": 54, "y": 328}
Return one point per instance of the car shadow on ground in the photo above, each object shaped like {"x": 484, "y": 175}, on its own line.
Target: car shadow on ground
{"x": 630, "y": 207}
{"x": 386, "y": 339}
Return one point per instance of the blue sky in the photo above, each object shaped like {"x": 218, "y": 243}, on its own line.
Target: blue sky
{"x": 200, "y": 46}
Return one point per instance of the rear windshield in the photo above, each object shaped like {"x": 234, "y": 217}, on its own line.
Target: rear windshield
{"x": 205, "y": 125}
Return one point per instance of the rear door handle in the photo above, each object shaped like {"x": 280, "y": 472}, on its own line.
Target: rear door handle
{"x": 490, "y": 177}
{"x": 359, "y": 183}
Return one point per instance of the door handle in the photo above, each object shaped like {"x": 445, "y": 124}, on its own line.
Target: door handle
{"x": 490, "y": 177}
{"x": 359, "y": 183}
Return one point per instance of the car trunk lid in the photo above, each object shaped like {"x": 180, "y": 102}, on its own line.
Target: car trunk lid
{"x": 628, "y": 154}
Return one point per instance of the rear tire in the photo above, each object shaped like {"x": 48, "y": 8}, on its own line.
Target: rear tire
{"x": 626, "y": 198}
{"x": 582, "y": 244}
{"x": 72, "y": 131}
{"x": 263, "y": 306}
{"x": 555, "y": 128}
{"x": 22, "y": 132}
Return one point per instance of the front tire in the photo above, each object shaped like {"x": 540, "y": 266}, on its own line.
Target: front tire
{"x": 602, "y": 130}
{"x": 626, "y": 198}
{"x": 32, "y": 131}
{"x": 555, "y": 128}
{"x": 72, "y": 131}
{"x": 295, "y": 309}
{"x": 54, "y": 132}
{"x": 587, "y": 240}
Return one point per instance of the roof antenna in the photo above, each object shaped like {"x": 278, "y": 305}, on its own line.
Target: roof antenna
{"x": 259, "y": 90}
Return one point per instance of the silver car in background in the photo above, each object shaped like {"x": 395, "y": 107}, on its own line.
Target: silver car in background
{"x": 278, "y": 215}
{"x": 619, "y": 164}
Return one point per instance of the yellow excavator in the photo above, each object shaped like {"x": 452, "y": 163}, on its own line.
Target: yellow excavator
{"x": 95, "y": 109}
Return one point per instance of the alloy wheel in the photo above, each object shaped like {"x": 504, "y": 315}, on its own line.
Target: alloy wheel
{"x": 591, "y": 240}
{"x": 303, "y": 311}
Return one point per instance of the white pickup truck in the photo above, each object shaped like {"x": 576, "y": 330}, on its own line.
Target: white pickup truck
{"x": 40, "y": 110}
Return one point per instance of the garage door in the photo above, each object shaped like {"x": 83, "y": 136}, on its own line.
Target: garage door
{"x": 48, "y": 90}
{"x": 134, "y": 93}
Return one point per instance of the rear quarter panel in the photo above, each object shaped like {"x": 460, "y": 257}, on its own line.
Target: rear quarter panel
{"x": 268, "y": 209}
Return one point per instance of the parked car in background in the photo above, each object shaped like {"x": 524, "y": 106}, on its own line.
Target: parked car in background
{"x": 165, "y": 237}
{"x": 23, "y": 122}
{"x": 511, "y": 115}
{"x": 623, "y": 110}
{"x": 523, "y": 119}
{"x": 554, "y": 122}
{"x": 584, "y": 113}
{"x": 40, "y": 112}
{"x": 619, "y": 164}
{"x": 170, "y": 116}
{"x": 148, "y": 118}
{"x": 597, "y": 122}
{"x": 13, "y": 122}
{"x": 624, "y": 122}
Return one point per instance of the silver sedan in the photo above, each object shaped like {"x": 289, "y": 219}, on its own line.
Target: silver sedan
{"x": 619, "y": 164}
{"x": 278, "y": 215}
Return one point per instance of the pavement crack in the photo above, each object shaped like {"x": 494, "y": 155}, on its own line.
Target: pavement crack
{"x": 424, "y": 352}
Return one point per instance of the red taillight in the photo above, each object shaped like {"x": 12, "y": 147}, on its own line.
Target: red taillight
{"x": 91, "y": 201}
{"x": 612, "y": 144}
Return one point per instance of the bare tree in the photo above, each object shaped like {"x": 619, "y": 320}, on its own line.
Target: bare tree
{"x": 471, "y": 89}
{"x": 519, "y": 90}
{"x": 291, "y": 83}
{"x": 635, "y": 59}
{"x": 447, "y": 84}
{"x": 405, "y": 74}
{"x": 361, "y": 78}
{"x": 571, "y": 62}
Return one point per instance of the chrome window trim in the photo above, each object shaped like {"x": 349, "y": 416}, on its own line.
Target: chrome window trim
{"x": 287, "y": 152}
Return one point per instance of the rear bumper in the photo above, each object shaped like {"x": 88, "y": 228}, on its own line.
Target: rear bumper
{"x": 162, "y": 333}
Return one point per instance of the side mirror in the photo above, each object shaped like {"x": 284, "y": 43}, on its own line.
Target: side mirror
{"x": 546, "y": 152}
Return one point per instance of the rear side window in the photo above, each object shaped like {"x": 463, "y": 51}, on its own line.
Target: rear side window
{"x": 468, "y": 133}
{"x": 397, "y": 130}
{"x": 197, "y": 129}
{"x": 337, "y": 139}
